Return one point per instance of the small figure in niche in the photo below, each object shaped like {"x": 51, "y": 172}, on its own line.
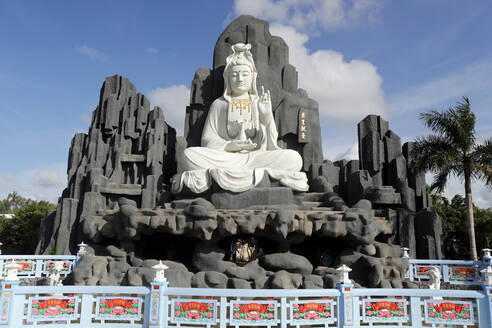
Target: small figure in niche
{"x": 234, "y": 248}
{"x": 326, "y": 259}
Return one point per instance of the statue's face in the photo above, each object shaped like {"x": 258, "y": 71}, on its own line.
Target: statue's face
{"x": 240, "y": 79}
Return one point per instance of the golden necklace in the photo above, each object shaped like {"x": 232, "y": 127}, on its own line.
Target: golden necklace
{"x": 241, "y": 104}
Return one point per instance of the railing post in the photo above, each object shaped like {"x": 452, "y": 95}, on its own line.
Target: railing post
{"x": 38, "y": 272}
{"x": 283, "y": 312}
{"x": 345, "y": 305}
{"x": 223, "y": 312}
{"x": 2, "y": 268}
{"x": 80, "y": 253}
{"x": 157, "y": 313}
{"x": 86, "y": 306}
{"x": 485, "y": 304}
{"x": 445, "y": 272}
{"x": 406, "y": 256}
{"x": 10, "y": 314}
{"x": 487, "y": 257}
{"x": 415, "y": 312}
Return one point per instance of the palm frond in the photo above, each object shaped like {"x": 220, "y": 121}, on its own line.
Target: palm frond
{"x": 484, "y": 173}
{"x": 482, "y": 157}
{"x": 438, "y": 122}
{"x": 440, "y": 180}
{"x": 432, "y": 152}
{"x": 465, "y": 123}
{"x": 456, "y": 124}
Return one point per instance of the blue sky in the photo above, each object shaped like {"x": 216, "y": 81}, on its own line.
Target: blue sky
{"x": 393, "y": 58}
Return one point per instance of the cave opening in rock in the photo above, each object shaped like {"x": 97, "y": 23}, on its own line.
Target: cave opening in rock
{"x": 164, "y": 246}
{"x": 321, "y": 251}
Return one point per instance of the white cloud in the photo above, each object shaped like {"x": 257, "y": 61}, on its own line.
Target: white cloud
{"x": 345, "y": 91}
{"x": 8, "y": 183}
{"x": 482, "y": 195}
{"x": 92, "y": 53}
{"x": 173, "y": 100}
{"x": 311, "y": 14}
{"x": 152, "y": 50}
{"x": 38, "y": 184}
{"x": 46, "y": 178}
{"x": 86, "y": 118}
{"x": 473, "y": 78}
{"x": 351, "y": 152}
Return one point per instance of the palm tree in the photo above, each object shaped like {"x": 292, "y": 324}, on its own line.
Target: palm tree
{"x": 453, "y": 150}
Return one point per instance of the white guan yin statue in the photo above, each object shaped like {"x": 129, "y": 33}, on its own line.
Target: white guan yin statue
{"x": 239, "y": 138}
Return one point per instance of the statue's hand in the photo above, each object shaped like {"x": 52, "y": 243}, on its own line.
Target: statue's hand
{"x": 239, "y": 145}
{"x": 265, "y": 106}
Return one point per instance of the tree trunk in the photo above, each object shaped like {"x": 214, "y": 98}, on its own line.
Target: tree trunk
{"x": 469, "y": 218}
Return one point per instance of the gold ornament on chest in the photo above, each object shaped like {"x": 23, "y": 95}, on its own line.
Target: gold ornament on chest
{"x": 241, "y": 105}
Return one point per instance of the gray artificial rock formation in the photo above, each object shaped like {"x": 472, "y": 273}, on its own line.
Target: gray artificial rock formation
{"x": 128, "y": 152}
{"x": 117, "y": 200}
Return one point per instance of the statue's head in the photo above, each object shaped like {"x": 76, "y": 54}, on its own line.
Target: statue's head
{"x": 240, "y": 71}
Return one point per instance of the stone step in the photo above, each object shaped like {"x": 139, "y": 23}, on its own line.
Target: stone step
{"x": 323, "y": 208}
{"x": 132, "y": 158}
{"x": 313, "y": 196}
{"x": 310, "y": 205}
{"x": 122, "y": 189}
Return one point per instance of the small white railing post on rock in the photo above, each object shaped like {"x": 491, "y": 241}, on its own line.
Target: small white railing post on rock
{"x": 343, "y": 273}
{"x": 156, "y": 312}
{"x": 346, "y": 306}
{"x": 160, "y": 270}
{"x": 406, "y": 256}
{"x": 80, "y": 253}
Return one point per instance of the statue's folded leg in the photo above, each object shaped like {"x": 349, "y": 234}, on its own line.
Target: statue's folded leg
{"x": 281, "y": 159}
{"x": 199, "y": 158}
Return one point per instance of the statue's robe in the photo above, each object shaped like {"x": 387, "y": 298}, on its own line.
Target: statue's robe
{"x": 238, "y": 171}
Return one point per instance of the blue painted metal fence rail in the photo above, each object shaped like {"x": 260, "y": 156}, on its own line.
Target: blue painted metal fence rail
{"x": 36, "y": 266}
{"x": 162, "y": 306}
{"x": 453, "y": 271}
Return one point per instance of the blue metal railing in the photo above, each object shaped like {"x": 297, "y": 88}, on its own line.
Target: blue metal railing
{"x": 161, "y": 306}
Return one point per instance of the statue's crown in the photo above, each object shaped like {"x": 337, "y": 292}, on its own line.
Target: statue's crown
{"x": 240, "y": 48}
